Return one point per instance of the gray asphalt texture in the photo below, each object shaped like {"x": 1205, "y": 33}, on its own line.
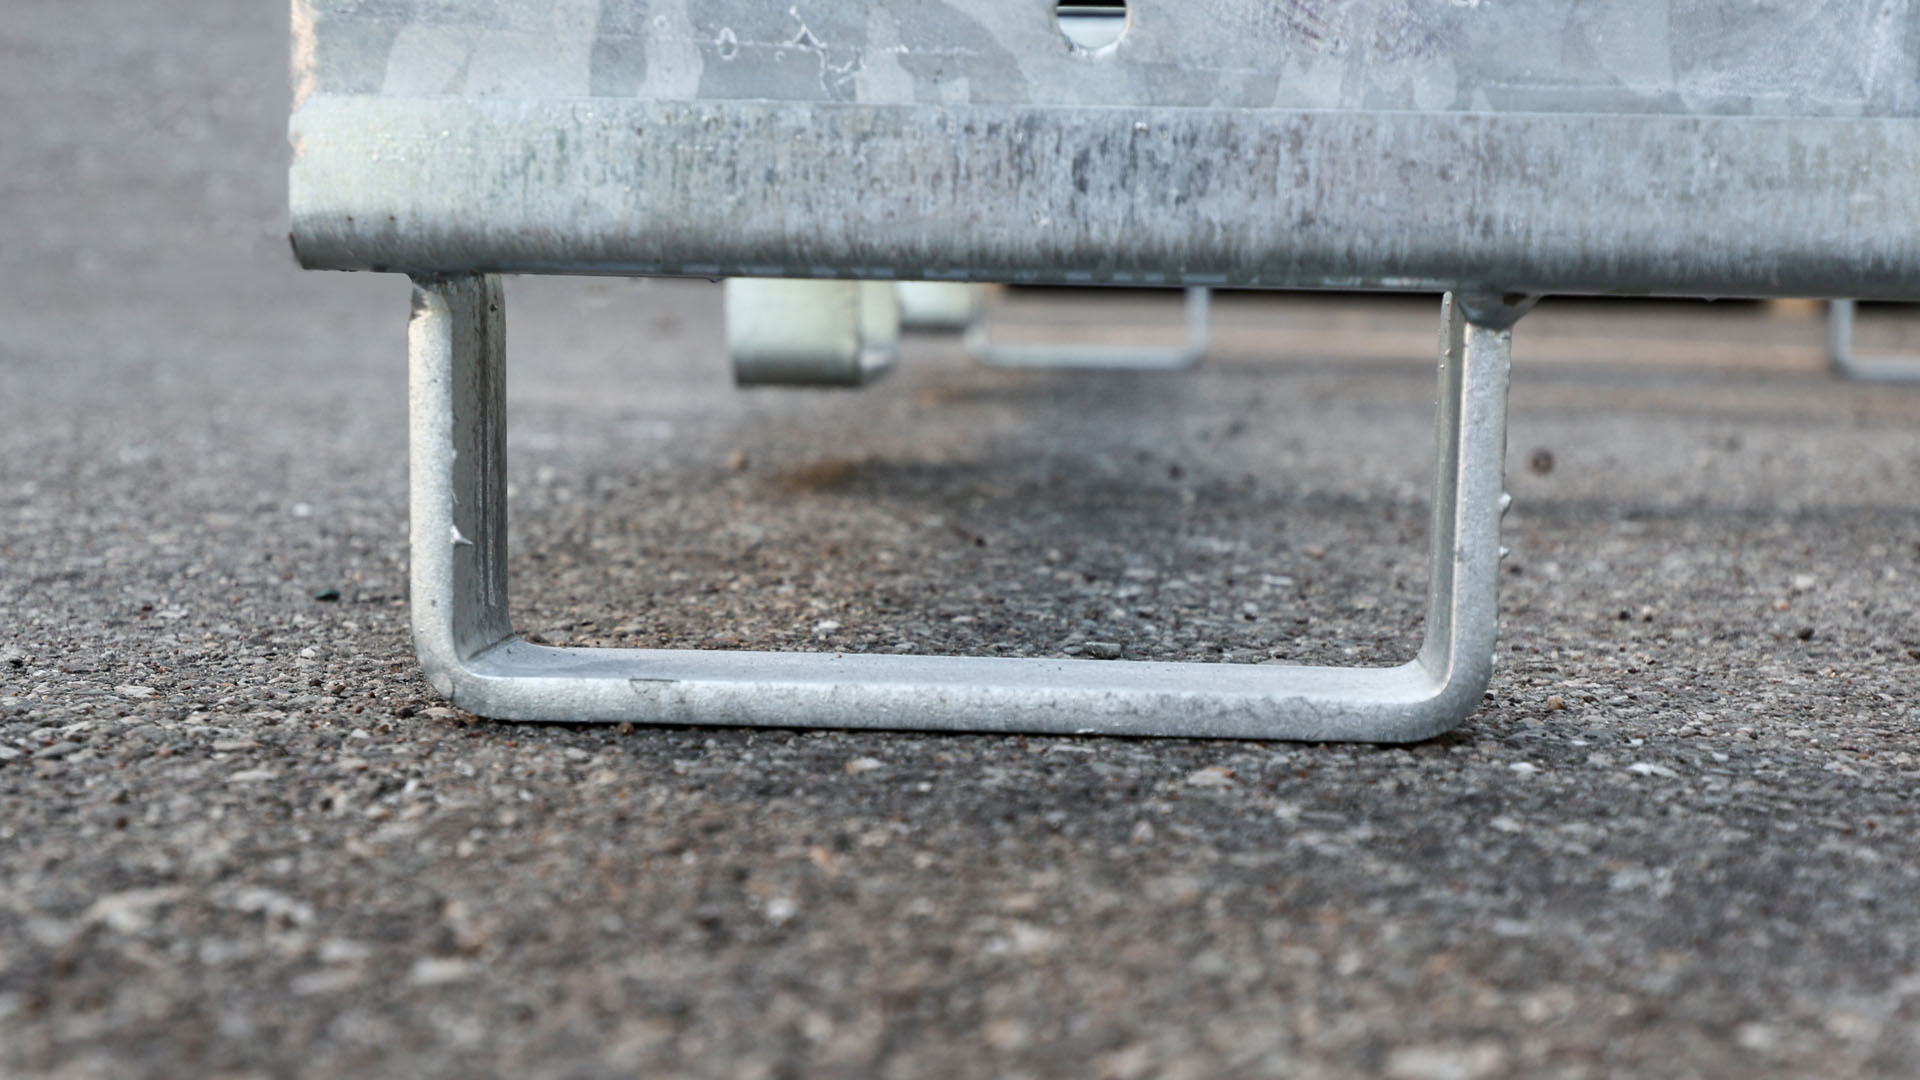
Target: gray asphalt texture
{"x": 240, "y": 837}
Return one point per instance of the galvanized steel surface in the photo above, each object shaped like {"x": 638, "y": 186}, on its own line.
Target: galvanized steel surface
{"x": 1842, "y": 58}
{"x": 1710, "y": 206}
{"x": 1628, "y": 146}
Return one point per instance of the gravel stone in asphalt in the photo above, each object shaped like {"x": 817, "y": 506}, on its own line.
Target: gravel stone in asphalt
{"x": 239, "y": 835}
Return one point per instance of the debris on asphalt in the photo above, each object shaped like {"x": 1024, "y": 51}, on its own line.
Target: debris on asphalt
{"x": 1211, "y": 776}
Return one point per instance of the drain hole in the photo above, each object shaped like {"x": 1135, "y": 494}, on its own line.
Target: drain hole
{"x": 1092, "y": 24}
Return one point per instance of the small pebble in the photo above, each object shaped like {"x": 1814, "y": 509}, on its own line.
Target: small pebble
{"x": 324, "y": 981}
{"x": 439, "y": 971}
{"x": 1101, "y": 650}
{"x": 1211, "y": 776}
{"x": 344, "y": 951}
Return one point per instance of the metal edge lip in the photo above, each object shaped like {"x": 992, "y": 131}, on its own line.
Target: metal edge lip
{"x": 1642, "y": 204}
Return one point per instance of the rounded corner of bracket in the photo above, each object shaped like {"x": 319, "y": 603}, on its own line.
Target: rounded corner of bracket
{"x": 455, "y": 682}
{"x": 441, "y": 665}
{"x": 1457, "y": 693}
{"x": 441, "y": 681}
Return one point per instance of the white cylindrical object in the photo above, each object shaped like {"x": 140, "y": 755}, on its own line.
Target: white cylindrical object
{"x": 940, "y": 305}
{"x": 798, "y": 332}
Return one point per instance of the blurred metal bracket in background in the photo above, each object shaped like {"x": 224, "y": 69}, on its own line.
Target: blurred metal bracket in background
{"x": 797, "y": 332}
{"x": 1082, "y": 357}
{"x": 940, "y": 305}
{"x": 1849, "y": 364}
{"x": 945, "y": 305}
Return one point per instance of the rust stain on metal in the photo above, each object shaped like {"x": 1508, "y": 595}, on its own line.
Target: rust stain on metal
{"x": 1403, "y": 32}
{"x": 1301, "y": 20}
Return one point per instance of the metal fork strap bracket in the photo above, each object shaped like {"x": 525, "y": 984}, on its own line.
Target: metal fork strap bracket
{"x": 463, "y": 634}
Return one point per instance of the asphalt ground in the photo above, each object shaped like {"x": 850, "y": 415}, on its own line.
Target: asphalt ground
{"x": 239, "y": 835}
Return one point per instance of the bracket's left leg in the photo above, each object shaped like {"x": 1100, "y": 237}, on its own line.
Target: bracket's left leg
{"x": 457, "y": 473}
